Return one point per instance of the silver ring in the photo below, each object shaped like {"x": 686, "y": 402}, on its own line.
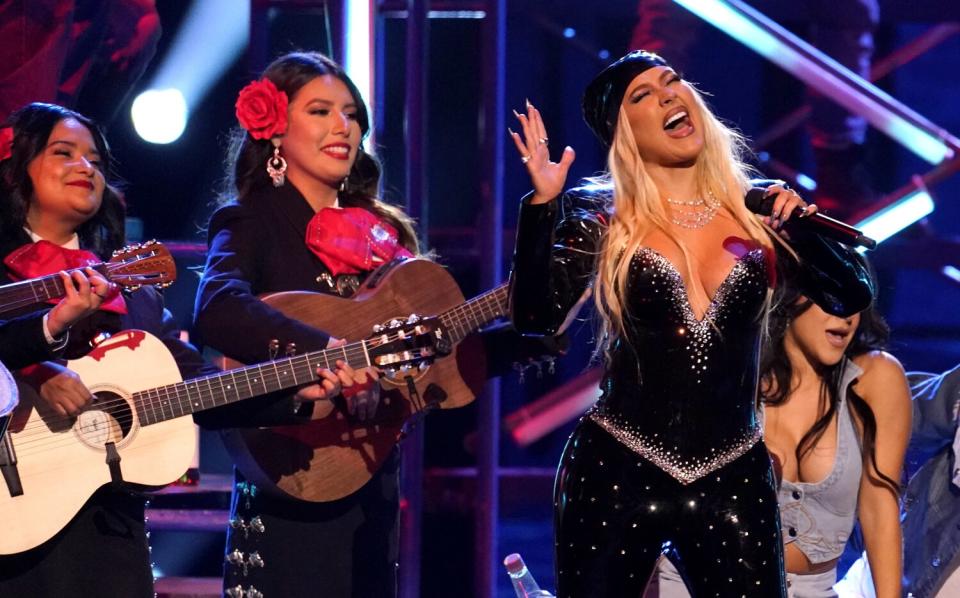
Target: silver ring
{"x": 524, "y": 159}
{"x": 544, "y": 140}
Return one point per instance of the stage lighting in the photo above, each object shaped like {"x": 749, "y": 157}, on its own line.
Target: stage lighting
{"x": 359, "y": 47}
{"x": 160, "y": 115}
{"x": 212, "y": 36}
{"x": 897, "y": 216}
{"x": 952, "y": 273}
{"x": 799, "y": 58}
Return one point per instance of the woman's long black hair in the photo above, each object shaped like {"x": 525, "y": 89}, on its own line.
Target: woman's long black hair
{"x": 247, "y": 157}
{"x": 32, "y": 125}
{"x": 872, "y": 334}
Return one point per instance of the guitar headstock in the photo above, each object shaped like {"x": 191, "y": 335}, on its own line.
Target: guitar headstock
{"x": 401, "y": 346}
{"x": 148, "y": 263}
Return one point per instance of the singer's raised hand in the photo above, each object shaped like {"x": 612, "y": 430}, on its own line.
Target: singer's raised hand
{"x": 547, "y": 177}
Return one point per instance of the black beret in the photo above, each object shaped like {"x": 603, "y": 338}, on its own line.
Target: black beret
{"x": 602, "y": 98}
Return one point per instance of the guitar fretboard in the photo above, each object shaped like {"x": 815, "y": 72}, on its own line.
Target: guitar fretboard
{"x": 37, "y": 290}
{"x": 471, "y": 315}
{"x": 183, "y": 398}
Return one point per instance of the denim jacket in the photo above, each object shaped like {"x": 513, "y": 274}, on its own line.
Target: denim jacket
{"x": 931, "y": 504}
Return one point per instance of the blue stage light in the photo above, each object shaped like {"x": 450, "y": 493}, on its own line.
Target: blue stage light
{"x": 897, "y": 216}
{"x": 773, "y": 42}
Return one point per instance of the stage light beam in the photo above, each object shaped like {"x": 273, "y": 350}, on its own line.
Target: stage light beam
{"x": 897, "y": 216}
{"x": 213, "y": 35}
{"x": 765, "y": 37}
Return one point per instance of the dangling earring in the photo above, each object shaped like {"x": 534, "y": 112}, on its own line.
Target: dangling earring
{"x": 276, "y": 165}
{"x": 343, "y": 184}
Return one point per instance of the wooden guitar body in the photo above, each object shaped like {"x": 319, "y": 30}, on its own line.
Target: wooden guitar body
{"x": 332, "y": 457}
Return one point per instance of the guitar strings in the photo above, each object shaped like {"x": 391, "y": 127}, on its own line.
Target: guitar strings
{"x": 155, "y": 404}
{"x": 153, "y": 399}
{"x": 156, "y": 400}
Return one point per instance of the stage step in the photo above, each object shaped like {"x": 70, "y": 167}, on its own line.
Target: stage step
{"x": 188, "y": 587}
{"x": 188, "y": 520}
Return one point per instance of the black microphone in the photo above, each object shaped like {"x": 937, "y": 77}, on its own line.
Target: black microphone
{"x": 759, "y": 203}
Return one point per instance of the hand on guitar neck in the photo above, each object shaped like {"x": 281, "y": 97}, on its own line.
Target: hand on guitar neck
{"x": 360, "y": 388}
{"x": 84, "y": 291}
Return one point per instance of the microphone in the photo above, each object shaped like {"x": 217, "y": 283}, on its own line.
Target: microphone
{"x": 758, "y": 203}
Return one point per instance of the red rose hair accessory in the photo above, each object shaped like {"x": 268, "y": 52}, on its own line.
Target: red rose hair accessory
{"x": 6, "y": 142}
{"x": 262, "y": 109}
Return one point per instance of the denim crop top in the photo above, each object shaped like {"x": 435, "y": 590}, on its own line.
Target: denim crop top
{"x": 819, "y": 517}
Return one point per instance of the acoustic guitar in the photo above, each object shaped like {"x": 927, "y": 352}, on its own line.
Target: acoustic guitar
{"x": 331, "y": 458}
{"x": 132, "y": 267}
{"x": 138, "y": 428}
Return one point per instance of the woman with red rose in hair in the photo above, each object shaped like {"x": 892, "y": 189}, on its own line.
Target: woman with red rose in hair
{"x": 302, "y": 214}
{"x": 301, "y": 189}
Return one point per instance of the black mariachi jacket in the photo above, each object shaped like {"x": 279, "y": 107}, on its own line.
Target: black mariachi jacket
{"x": 259, "y": 247}
{"x": 558, "y": 243}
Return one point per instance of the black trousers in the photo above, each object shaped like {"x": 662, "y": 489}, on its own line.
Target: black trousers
{"x": 347, "y": 548}
{"x": 102, "y": 553}
{"x": 616, "y": 514}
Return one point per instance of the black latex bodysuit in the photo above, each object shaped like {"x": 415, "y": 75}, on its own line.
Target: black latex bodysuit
{"x": 670, "y": 459}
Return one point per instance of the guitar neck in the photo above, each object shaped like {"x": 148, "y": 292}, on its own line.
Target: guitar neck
{"x": 470, "y": 316}
{"x": 183, "y": 398}
{"x": 35, "y": 290}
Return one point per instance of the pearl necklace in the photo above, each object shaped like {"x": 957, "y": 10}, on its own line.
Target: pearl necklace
{"x": 693, "y": 213}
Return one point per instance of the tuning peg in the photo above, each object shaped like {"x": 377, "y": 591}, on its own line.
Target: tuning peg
{"x": 391, "y": 373}
{"x": 377, "y": 328}
{"x": 423, "y": 366}
{"x": 413, "y": 319}
{"x": 395, "y": 323}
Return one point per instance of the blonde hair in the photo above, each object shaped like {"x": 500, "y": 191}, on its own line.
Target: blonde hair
{"x": 637, "y": 209}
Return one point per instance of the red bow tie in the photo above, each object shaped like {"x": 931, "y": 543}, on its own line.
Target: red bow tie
{"x": 36, "y": 260}
{"x": 350, "y": 240}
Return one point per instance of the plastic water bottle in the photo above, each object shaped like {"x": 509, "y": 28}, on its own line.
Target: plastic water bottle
{"x": 523, "y": 583}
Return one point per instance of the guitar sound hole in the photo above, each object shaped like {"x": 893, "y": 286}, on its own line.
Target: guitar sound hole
{"x": 108, "y": 418}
